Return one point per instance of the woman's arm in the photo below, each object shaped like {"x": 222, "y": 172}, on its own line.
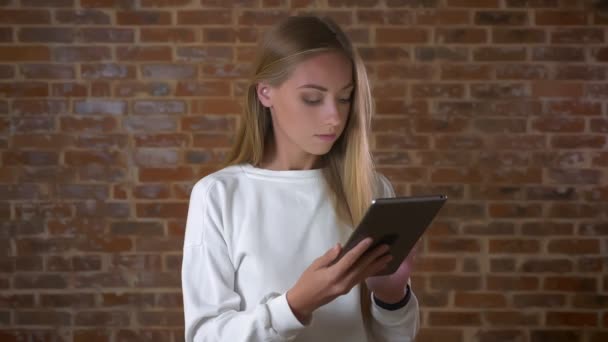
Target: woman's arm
{"x": 212, "y": 309}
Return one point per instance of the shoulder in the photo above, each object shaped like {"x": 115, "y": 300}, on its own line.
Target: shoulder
{"x": 217, "y": 181}
{"x": 383, "y": 186}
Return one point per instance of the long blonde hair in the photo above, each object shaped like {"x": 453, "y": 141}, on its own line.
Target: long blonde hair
{"x": 349, "y": 170}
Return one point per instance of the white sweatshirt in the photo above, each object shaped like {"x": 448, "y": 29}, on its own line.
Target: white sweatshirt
{"x": 249, "y": 236}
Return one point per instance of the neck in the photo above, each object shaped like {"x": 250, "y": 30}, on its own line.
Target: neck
{"x": 281, "y": 158}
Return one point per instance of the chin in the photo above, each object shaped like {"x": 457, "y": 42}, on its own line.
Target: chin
{"x": 319, "y": 151}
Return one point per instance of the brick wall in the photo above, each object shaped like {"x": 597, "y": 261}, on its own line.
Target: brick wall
{"x": 111, "y": 109}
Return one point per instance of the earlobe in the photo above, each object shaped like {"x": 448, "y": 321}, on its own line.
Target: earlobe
{"x": 264, "y": 95}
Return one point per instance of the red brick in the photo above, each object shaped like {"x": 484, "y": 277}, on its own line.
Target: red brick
{"x": 126, "y": 299}
{"x": 560, "y": 18}
{"x": 71, "y": 53}
{"x": 124, "y": 335}
{"x": 452, "y": 282}
{"x": 207, "y": 88}
{"x": 74, "y": 300}
{"x": 572, "y": 319}
{"x": 496, "y": 18}
{"x": 166, "y": 174}
{"x": 401, "y": 107}
{"x": 102, "y": 318}
{"x": 512, "y": 283}
{"x": 559, "y": 335}
{"x": 453, "y": 245}
{"x": 224, "y": 71}
{"x": 434, "y": 264}
{"x": 441, "y": 53}
{"x": 165, "y": 3}
{"x": 160, "y": 318}
{"x": 204, "y": 17}
{"x": 46, "y": 35}
{"x": 341, "y": 17}
{"x": 570, "y": 284}
{"x": 391, "y": 17}
{"x": 518, "y": 36}
{"x": 162, "y": 140}
{"x": 393, "y": 141}
{"x": 521, "y": 72}
{"x": 443, "y": 17}
{"x": 135, "y": 88}
{"x": 514, "y": 246}
{"x": 69, "y": 89}
{"x": 539, "y": 300}
{"x": 80, "y": 17}
{"x": 93, "y": 335}
{"x": 25, "y": 17}
{"x": 168, "y": 35}
{"x": 578, "y": 36}
{"x": 47, "y": 71}
{"x": 255, "y": 18}
{"x": 466, "y": 72}
{"x": 511, "y": 318}
{"x": 144, "y": 53}
{"x": 574, "y": 107}
{"x": 215, "y": 106}
{"x": 48, "y": 3}
{"x": 107, "y": 35}
{"x": 532, "y": 3}
{"x": 590, "y": 301}
{"x": 578, "y": 141}
{"x": 495, "y": 54}
{"x": 139, "y": 262}
{"x": 557, "y": 54}
{"x": 146, "y": 18}
{"x": 42, "y": 318}
{"x": 24, "y": 89}
{"x": 479, "y": 300}
{"x": 439, "y": 334}
{"x": 500, "y": 335}
{"x": 154, "y": 244}
{"x": 461, "y": 318}
{"x": 401, "y": 35}
{"x": 474, "y": 3}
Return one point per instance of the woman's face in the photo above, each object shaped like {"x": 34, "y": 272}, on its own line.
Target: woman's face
{"x": 310, "y": 109}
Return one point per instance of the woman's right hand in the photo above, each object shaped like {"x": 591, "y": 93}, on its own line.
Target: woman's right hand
{"x": 322, "y": 281}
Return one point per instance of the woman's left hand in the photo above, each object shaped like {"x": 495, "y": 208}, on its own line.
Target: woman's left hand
{"x": 391, "y": 288}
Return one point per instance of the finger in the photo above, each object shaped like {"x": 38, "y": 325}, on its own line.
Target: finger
{"x": 328, "y": 257}
{"x": 374, "y": 268}
{"x": 349, "y": 259}
{"x": 360, "y": 269}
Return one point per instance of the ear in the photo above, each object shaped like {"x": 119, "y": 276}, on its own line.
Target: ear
{"x": 264, "y": 92}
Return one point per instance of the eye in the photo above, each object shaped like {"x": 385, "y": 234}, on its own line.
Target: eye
{"x": 311, "y": 102}
{"x": 346, "y": 100}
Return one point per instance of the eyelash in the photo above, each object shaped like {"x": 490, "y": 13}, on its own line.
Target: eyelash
{"x": 316, "y": 102}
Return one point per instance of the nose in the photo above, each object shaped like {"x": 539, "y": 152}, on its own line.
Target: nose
{"x": 332, "y": 114}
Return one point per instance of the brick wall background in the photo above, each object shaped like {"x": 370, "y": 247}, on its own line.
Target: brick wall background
{"x": 110, "y": 110}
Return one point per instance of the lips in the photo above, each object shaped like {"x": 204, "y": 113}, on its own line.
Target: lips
{"x": 326, "y": 137}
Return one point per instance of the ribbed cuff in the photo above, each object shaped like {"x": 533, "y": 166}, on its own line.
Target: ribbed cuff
{"x": 283, "y": 321}
{"x": 408, "y": 313}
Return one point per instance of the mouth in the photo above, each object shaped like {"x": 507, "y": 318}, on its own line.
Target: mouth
{"x": 326, "y": 137}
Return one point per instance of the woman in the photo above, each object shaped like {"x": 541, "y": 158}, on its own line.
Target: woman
{"x": 263, "y": 233}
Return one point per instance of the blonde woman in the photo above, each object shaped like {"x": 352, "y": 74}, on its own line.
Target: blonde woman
{"x": 262, "y": 233}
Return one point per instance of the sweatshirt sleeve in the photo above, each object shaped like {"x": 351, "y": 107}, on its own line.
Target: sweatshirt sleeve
{"x": 399, "y": 325}
{"x": 212, "y": 309}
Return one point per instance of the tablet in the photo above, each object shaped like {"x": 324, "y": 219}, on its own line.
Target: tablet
{"x": 398, "y": 222}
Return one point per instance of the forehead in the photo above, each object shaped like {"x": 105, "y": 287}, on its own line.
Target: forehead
{"x": 331, "y": 70}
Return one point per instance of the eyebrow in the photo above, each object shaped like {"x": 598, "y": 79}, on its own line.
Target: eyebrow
{"x": 318, "y": 87}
